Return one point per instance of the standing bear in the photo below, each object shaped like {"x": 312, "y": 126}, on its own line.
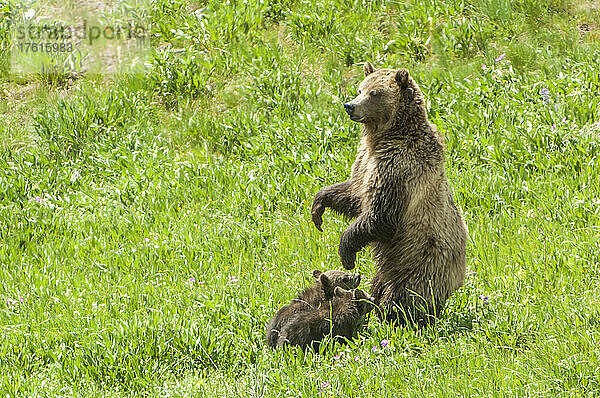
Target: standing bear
{"x": 401, "y": 200}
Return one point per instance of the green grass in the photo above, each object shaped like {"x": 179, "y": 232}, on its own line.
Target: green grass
{"x": 152, "y": 221}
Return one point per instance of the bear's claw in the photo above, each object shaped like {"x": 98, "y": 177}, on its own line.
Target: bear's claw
{"x": 316, "y": 213}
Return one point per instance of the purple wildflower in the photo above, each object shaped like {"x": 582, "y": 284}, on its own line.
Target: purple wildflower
{"x": 356, "y": 358}
{"x": 553, "y": 126}
{"x": 385, "y": 343}
{"x": 375, "y": 348}
{"x": 337, "y": 357}
{"x": 325, "y": 385}
{"x": 484, "y": 298}
{"x": 191, "y": 280}
{"x": 232, "y": 280}
{"x": 483, "y": 66}
{"x": 36, "y": 199}
{"x": 146, "y": 240}
{"x": 545, "y": 94}
{"x": 500, "y": 58}
{"x": 22, "y": 299}
{"x": 259, "y": 208}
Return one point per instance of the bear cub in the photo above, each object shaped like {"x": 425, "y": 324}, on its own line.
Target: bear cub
{"x": 343, "y": 316}
{"x": 311, "y": 298}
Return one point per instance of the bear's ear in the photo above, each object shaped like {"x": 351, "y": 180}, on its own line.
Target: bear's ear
{"x": 402, "y": 78}
{"x": 368, "y": 68}
{"x": 317, "y": 273}
{"x": 340, "y": 292}
{"x": 327, "y": 286}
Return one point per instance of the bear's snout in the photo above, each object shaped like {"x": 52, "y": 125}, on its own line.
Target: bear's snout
{"x": 349, "y": 108}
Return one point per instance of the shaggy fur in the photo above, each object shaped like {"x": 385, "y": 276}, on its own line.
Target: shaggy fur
{"x": 401, "y": 199}
{"x": 321, "y": 291}
{"x": 342, "y": 317}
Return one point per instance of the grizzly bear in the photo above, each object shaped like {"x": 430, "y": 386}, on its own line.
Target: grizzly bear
{"x": 321, "y": 291}
{"x": 400, "y": 196}
{"x": 341, "y": 317}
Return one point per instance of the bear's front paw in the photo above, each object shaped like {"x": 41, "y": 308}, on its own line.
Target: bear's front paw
{"x": 348, "y": 258}
{"x": 347, "y": 253}
{"x": 317, "y": 211}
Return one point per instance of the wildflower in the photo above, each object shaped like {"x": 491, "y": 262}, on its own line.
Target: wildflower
{"x": 375, "y": 348}
{"x": 29, "y": 14}
{"x": 146, "y": 240}
{"x": 545, "y": 94}
{"x": 337, "y": 357}
{"x": 564, "y": 120}
{"x": 22, "y": 300}
{"x": 483, "y": 67}
{"x": 484, "y": 298}
{"x": 259, "y": 208}
{"x": 75, "y": 176}
{"x": 36, "y": 199}
{"x": 324, "y": 386}
{"x": 356, "y": 358}
{"x": 11, "y": 302}
{"x": 232, "y": 280}
{"x": 385, "y": 343}
{"x": 191, "y": 280}
{"x": 553, "y": 126}
{"x": 500, "y": 58}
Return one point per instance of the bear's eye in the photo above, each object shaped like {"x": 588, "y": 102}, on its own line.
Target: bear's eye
{"x": 359, "y": 91}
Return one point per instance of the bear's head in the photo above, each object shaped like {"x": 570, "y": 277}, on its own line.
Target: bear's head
{"x": 382, "y": 94}
{"x": 333, "y": 279}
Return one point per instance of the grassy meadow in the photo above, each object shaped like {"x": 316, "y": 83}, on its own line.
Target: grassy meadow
{"x": 154, "y": 217}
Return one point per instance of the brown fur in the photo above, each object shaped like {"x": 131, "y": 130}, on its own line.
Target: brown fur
{"x": 401, "y": 199}
{"x": 342, "y": 317}
{"x": 321, "y": 291}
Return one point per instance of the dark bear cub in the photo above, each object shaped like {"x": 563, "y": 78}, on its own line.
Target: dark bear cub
{"x": 311, "y": 298}
{"x": 342, "y": 317}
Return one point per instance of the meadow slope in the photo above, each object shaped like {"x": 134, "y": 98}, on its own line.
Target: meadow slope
{"x": 153, "y": 218}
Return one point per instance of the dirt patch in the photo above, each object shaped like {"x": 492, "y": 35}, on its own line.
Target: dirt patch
{"x": 95, "y": 5}
{"x": 587, "y": 5}
{"x": 587, "y": 14}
